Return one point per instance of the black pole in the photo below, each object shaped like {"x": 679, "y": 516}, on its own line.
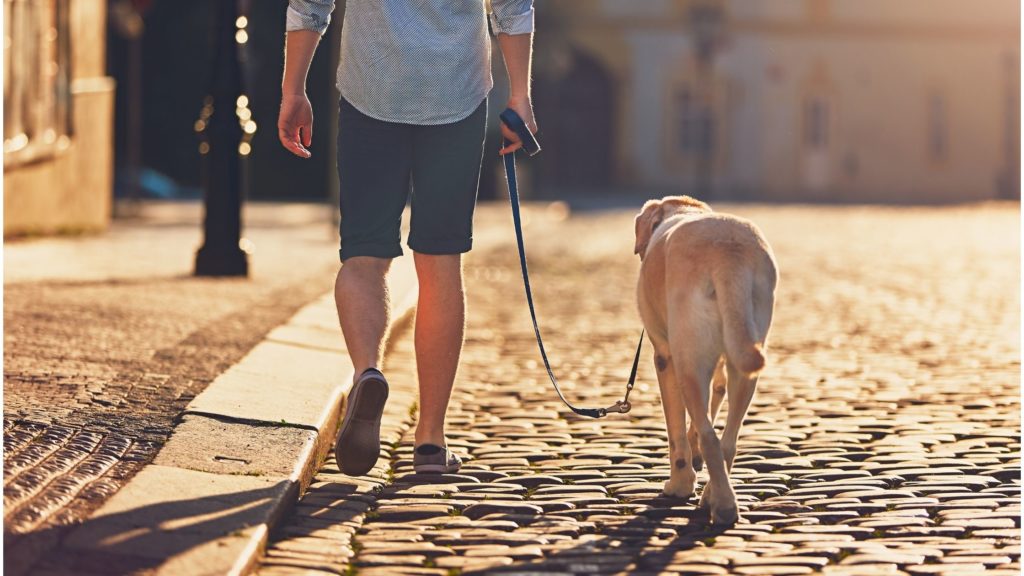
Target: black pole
{"x": 133, "y": 140}
{"x": 223, "y": 144}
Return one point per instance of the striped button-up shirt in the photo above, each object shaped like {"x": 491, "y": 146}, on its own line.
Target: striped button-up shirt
{"x": 415, "y": 61}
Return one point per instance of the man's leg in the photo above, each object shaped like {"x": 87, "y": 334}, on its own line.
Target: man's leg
{"x": 364, "y": 309}
{"x": 374, "y": 167}
{"x": 445, "y": 174}
{"x": 440, "y": 326}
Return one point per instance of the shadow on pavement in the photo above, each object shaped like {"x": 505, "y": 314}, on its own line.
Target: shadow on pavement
{"x": 144, "y": 537}
{"x": 638, "y": 544}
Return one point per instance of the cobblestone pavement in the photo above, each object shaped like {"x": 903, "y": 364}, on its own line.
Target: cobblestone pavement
{"x": 884, "y": 437}
{"x": 107, "y": 338}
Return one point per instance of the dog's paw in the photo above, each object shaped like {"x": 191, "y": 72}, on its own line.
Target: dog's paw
{"x": 726, "y": 516}
{"x": 720, "y": 504}
{"x": 677, "y": 489}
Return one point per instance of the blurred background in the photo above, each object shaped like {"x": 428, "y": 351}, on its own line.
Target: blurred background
{"x": 876, "y": 101}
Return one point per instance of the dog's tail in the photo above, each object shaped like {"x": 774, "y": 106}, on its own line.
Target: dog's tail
{"x": 734, "y": 289}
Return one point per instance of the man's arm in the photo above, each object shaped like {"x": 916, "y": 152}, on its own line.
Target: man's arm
{"x": 512, "y": 22}
{"x": 307, "y": 20}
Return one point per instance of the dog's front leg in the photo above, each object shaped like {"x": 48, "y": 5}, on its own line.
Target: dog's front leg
{"x": 682, "y": 478}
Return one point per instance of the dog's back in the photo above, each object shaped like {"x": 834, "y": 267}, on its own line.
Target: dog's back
{"x": 719, "y": 279}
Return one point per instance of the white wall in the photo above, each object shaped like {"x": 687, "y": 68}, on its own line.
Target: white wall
{"x": 957, "y": 13}
{"x": 658, "y": 59}
{"x": 879, "y": 115}
{"x": 770, "y": 10}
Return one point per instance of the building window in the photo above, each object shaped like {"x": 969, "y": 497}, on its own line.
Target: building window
{"x": 695, "y": 124}
{"x": 816, "y": 123}
{"x": 937, "y": 129}
{"x": 37, "y": 78}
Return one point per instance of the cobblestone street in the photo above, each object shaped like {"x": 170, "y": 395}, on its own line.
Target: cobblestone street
{"x": 884, "y": 437}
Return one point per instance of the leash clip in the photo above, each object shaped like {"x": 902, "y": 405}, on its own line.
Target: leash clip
{"x": 620, "y": 407}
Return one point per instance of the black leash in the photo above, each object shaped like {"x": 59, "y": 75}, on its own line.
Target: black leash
{"x": 532, "y": 147}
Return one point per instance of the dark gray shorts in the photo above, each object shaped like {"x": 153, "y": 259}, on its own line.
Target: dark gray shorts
{"x": 380, "y": 163}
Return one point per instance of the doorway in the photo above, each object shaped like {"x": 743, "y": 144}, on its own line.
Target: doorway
{"x": 577, "y": 107}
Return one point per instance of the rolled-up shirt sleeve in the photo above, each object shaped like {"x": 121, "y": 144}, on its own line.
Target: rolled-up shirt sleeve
{"x": 511, "y": 16}
{"x": 309, "y": 15}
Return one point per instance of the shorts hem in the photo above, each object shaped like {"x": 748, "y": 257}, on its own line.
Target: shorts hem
{"x": 441, "y": 247}
{"x": 373, "y": 250}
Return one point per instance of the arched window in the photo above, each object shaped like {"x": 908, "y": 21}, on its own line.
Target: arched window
{"x": 694, "y": 123}
{"x": 938, "y": 137}
{"x": 816, "y": 117}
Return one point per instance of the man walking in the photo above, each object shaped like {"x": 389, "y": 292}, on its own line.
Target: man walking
{"x": 414, "y": 78}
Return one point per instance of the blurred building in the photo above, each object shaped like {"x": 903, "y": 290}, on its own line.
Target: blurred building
{"x": 818, "y": 100}
{"x": 58, "y": 105}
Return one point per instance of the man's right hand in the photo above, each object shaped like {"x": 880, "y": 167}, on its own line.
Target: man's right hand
{"x": 295, "y": 124}
{"x": 524, "y": 107}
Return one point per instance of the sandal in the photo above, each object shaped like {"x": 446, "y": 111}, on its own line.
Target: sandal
{"x": 358, "y": 445}
{"x": 434, "y": 459}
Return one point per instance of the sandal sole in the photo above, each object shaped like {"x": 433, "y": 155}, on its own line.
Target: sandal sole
{"x": 435, "y": 469}
{"x": 358, "y": 445}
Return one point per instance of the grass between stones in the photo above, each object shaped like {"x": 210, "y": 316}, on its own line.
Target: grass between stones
{"x": 249, "y": 473}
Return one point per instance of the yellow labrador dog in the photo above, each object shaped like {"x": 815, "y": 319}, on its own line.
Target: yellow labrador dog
{"x": 706, "y": 295}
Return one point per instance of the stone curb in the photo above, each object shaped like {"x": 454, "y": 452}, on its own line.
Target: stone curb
{"x": 246, "y": 448}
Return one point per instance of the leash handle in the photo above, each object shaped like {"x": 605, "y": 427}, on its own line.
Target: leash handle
{"x": 510, "y": 118}
{"x": 515, "y": 123}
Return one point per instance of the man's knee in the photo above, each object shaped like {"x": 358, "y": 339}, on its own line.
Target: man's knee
{"x": 365, "y": 266}
{"x": 441, "y": 264}
{"x": 439, "y": 271}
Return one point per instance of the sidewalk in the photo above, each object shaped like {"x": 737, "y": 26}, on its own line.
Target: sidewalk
{"x": 109, "y": 338}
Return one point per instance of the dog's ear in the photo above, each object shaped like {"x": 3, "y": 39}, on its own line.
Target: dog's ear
{"x": 693, "y": 203}
{"x": 685, "y": 203}
{"x": 646, "y": 221}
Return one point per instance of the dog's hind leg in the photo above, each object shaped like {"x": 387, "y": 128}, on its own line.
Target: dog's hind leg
{"x": 741, "y": 392}
{"x": 741, "y": 386}
{"x": 717, "y": 395}
{"x": 694, "y": 368}
{"x": 682, "y": 477}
